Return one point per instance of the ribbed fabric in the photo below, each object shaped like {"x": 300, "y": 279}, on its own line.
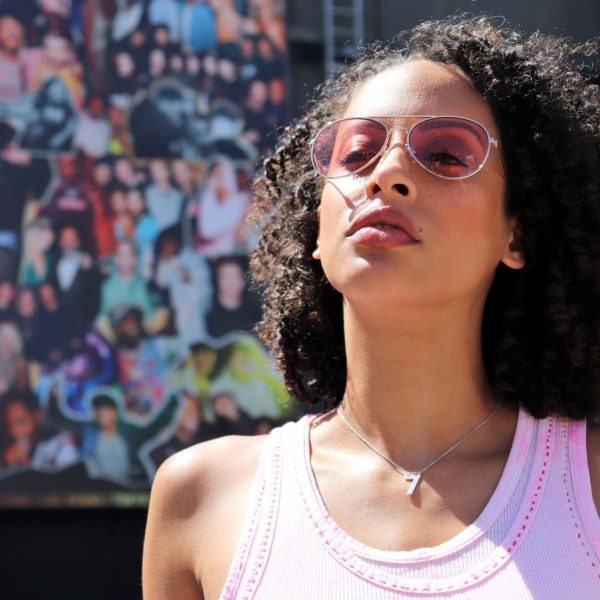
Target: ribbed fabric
{"x": 537, "y": 538}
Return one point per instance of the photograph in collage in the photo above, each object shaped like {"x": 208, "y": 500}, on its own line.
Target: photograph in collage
{"x": 129, "y": 133}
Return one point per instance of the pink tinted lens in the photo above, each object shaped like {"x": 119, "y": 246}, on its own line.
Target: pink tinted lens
{"x": 449, "y": 146}
{"x": 346, "y": 146}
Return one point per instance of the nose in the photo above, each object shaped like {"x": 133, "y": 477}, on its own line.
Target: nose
{"x": 392, "y": 174}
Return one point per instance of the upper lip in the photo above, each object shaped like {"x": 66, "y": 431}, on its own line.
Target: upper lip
{"x": 383, "y": 215}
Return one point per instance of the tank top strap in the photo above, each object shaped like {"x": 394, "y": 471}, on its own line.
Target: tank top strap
{"x": 579, "y": 489}
{"x": 251, "y": 555}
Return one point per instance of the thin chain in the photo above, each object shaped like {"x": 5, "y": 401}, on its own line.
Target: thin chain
{"x": 435, "y": 460}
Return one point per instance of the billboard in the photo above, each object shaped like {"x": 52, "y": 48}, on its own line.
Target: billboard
{"x": 129, "y": 130}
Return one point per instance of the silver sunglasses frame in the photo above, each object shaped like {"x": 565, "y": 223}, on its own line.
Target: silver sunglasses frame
{"x": 492, "y": 141}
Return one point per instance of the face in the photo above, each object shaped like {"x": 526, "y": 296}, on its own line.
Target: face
{"x": 26, "y": 306}
{"x": 124, "y": 64}
{"x": 230, "y": 281}
{"x": 48, "y": 295}
{"x": 159, "y": 171}
{"x": 102, "y": 174}
{"x": 69, "y": 239}
{"x": 20, "y": 422}
{"x": 459, "y": 232}
{"x": 11, "y": 34}
{"x": 135, "y": 202}
{"x": 106, "y": 417}
{"x": 125, "y": 259}
{"x": 67, "y": 167}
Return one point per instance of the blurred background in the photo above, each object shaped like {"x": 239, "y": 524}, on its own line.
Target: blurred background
{"x": 129, "y": 133}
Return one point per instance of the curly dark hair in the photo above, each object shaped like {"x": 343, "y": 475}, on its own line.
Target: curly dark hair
{"x": 541, "y": 324}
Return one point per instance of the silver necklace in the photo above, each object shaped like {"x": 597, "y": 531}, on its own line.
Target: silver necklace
{"x": 415, "y": 476}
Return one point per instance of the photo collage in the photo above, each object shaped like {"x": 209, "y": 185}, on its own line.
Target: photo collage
{"x": 129, "y": 133}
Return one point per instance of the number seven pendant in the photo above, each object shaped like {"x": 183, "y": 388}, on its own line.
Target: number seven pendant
{"x": 415, "y": 478}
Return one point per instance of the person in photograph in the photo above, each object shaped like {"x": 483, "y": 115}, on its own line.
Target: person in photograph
{"x": 192, "y": 73}
{"x": 104, "y": 448}
{"x": 60, "y": 62}
{"x": 254, "y": 384}
{"x": 77, "y": 279}
{"x": 129, "y": 17}
{"x": 126, "y": 174}
{"x": 141, "y": 367}
{"x": 163, "y": 199}
{"x": 230, "y": 24}
{"x": 176, "y": 66}
{"x": 21, "y": 179}
{"x": 125, "y": 79}
{"x": 278, "y": 111}
{"x": 269, "y": 16}
{"x": 52, "y": 123}
{"x": 122, "y": 221}
{"x": 185, "y": 274}
{"x": 91, "y": 363}
{"x": 225, "y": 133}
{"x": 93, "y": 130}
{"x": 28, "y": 442}
{"x": 145, "y": 229}
{"x": 124, "y": 286}
{"x": 229, "y": 419}
{"x": 15, "y": 60}
{"x": 13, "y": 366}
{"x": 166, "y": 15}
{"x": 256, "y": 115}
{"x": 233, "y": 308}
{"x": 168, "y": 106}
{"x": 27, "y": 320}
{"x": 96, "y": 189}
{"x": 198, "y": 29}
{"x": 197, "y": 373}
{"x": 219, "y": 210}
{"x": 429, "y": 259}
{"x": 7, "y": 300}
{"x": 229, "y": 84}
{"x": 120, "y": 140}
{"x": 56, "y": 326}
{"x": 190, "y": 428}
{"x": 39, "y": 253}
{"x": 161, "y": 38}
{"x": 68, "y": 203}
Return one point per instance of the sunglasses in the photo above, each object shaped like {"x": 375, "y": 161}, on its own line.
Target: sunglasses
{"x": 447, "y": 146}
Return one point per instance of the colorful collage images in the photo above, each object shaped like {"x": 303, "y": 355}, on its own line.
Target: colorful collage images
{"x": 129, "y": 131}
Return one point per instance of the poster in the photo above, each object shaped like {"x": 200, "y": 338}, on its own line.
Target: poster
{"x": 129, "y": 130}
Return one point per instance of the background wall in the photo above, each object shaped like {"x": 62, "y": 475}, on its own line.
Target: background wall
{"x": 96, "y": 554}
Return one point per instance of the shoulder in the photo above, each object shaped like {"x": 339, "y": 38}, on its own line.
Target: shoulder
{"x": 201, "y": 470}
{"x": 593, "y": 454}
{"x": 196, "y": 495}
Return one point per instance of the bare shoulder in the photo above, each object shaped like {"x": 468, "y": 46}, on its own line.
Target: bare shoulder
{"x": 197, "y": 506}
{"x": 593, "y": 453}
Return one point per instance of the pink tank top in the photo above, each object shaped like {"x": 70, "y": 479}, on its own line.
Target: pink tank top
{"x": 537, "y": 538}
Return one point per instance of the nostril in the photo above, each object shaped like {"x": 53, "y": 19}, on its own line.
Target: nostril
{"x": 401, "y": 189}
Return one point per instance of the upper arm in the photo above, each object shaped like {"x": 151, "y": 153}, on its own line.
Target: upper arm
{"x": 167, "y": 568}
{"x": 593, "y": 454}
{"x": 197, "y": 506}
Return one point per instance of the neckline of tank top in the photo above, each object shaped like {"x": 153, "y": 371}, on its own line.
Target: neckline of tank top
{"x": 329, "y": 530}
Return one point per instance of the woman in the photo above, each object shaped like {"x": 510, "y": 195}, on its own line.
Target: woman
{"x": 438, "y": 288}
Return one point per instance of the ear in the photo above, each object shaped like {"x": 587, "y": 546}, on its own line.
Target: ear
{"x": 514, "y": 257}
{"x": 316, "y": 253}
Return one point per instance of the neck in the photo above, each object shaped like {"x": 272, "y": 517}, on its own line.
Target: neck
{"x": 414, "y": 386}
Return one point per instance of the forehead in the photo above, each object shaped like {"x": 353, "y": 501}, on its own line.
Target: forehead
{"x": 419, "y": 87}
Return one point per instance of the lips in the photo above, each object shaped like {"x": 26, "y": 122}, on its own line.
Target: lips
{"x": 385, "y": 220}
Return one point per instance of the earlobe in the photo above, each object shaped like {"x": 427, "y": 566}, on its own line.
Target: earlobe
{"x": 514, "y": 257}
{"x": 316, "y": 253}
